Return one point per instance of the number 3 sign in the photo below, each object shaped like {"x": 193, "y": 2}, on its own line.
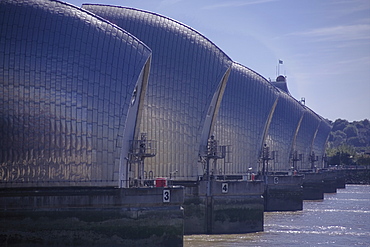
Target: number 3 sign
{"x": 166, "y": 195}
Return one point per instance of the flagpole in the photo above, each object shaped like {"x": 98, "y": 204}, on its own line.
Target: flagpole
{"x": 276, "y": 70}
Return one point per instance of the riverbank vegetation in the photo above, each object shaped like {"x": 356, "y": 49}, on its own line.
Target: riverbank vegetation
{"x": 349, "y": 143}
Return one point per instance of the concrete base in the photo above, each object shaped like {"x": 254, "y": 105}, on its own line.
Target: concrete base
{"x": 341, "y": 179}
{"x": 330, "y": 181}
{"x": 91, "y": 217}
{"x": 358, "y": 175}
{"x": 283, "y": 193}
{"x": 225, "y": 207}
{"x": 313, "y": 186}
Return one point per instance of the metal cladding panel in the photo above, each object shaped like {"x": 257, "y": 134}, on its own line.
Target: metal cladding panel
{"x": 241, "y": 120}
{"x": 66, "y": 82}
{"x": 186, "y": 71}
{"x": 304, "y": 139}
{"x": 319, "y": 143}
{"x": 281, "y": 133}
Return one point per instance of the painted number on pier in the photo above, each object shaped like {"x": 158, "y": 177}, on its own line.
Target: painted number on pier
{"x": 225, "y": 187}
{"x": 166, "y": 196}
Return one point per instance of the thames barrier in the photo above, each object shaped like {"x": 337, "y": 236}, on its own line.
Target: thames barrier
{"x": 123, "y": 127}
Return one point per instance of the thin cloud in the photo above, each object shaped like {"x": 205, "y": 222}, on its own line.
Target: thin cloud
{"x": 345, "y": 7}
{"x": 355, "y": 62}
{"x": 338, "y": 33}
{"x": 237, "y": 4}
{"x": 169, "y": 2}
{"x": 164, "y": 4}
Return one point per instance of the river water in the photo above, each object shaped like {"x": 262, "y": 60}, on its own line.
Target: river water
{"x": 341, "y": 219}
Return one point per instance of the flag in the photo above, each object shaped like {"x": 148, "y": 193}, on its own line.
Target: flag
{"x": 280, "y": 61}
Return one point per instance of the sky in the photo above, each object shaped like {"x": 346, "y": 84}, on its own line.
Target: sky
{"x": 324, "y": 44}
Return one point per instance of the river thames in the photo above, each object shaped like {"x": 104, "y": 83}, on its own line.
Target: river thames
{"x": 341, "y": 219}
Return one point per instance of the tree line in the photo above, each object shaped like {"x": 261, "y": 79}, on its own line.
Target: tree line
{"x": 349, "y": 143}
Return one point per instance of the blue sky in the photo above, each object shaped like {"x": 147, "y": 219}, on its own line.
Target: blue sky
{"x": 324, "y": 44}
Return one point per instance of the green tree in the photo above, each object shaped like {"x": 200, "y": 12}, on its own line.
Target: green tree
{"x": 351, "y": 131}
{"x": 339, "y": 124}
{"x": 359, "y": 125}
{"x": 339, "y": 138}
{"x": 346, "y": 134}
{"x": 341, "y": 155}
{"x": 356, "y": 141}
{"x": 366, "y": 123}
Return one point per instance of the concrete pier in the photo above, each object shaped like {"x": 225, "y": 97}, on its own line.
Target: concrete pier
{"x": 223, "y": 207}
{"x": 341, "y": 179}
{"x": 313, "y": 186}
{"x": 91, "y": 217}
{"x": 330, "y": 181}
{"x": 283, "y": 193}
{"x": 357, "y": 175}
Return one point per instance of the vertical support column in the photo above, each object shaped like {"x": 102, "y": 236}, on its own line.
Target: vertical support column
{"x": 209, "y": 208}
{"x": 212, "y": 152}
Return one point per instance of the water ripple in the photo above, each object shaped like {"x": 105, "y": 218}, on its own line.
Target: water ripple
{"x": 338, "y": 210}
{"x": 341, "y": 219}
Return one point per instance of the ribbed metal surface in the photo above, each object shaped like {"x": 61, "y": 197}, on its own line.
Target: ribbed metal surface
{"x": 72, "y": 100}
{"x": 241, "y": 120}
{"x": 185, "y": 74}
{"x": 281, "y": 132}
{"x": 304, "y": 139}
{"x": 319, "y": 142}
{"x": 67, "y": 80}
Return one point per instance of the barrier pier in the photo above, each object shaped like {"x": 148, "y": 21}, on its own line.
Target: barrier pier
{"x": 313, "y": 186}
{"x": 91, "y": 217}
{"x": 283, "y": 193}
{"x": 223, "y": 207}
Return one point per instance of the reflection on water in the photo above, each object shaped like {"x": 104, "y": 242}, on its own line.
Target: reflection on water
{"x": 341, "y": 219}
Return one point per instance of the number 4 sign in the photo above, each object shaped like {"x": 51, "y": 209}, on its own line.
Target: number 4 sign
{"x": 225, "y": 187}
{"x": 166, "y": 195}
